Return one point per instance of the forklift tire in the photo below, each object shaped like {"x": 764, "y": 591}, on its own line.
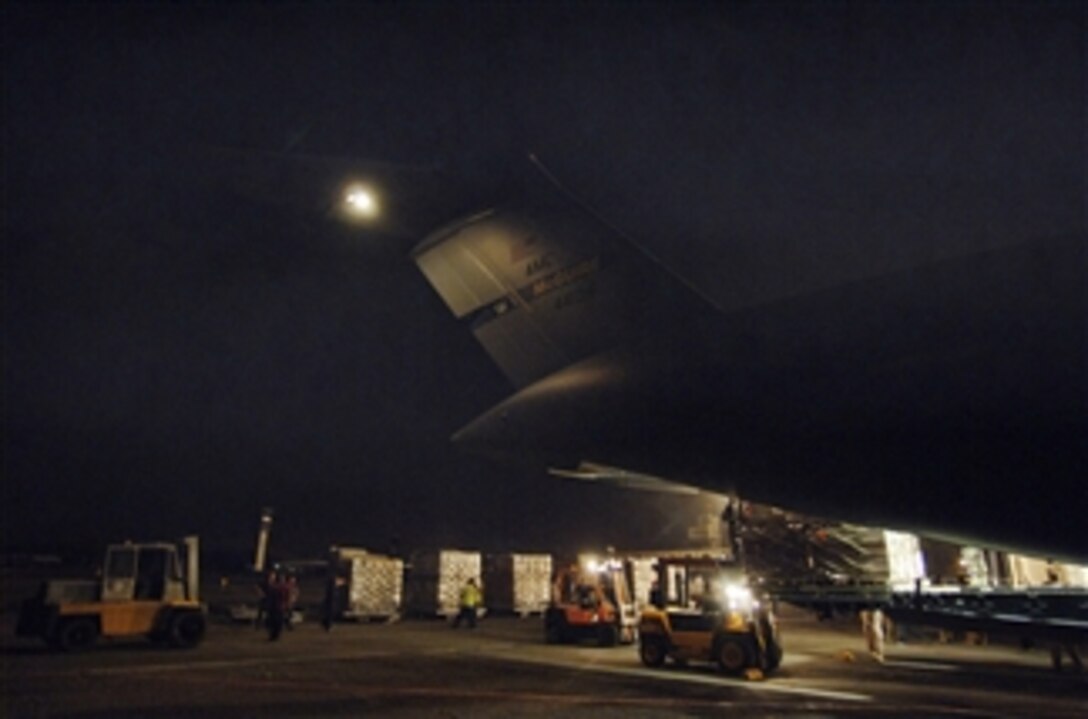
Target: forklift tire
{"x": 652, "y": 651}
{"x": 608, "y": 635}
{"x": 76, "y": 634}
{"x": 187, "y": 629}
{"x": 733, "y": 655}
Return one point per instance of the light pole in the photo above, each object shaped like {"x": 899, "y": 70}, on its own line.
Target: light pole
{"x": 262, "y": 539}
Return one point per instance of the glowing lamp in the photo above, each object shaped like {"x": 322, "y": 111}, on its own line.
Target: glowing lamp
{"x": 360, "y": 202}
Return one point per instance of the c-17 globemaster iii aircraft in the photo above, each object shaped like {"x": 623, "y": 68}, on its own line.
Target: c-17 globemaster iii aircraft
{"x": 940, "y": 398}
{"x": 831, "y": 258}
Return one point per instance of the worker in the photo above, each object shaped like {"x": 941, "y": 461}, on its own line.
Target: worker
{"x": 328, "y": 604}
{"x": 709, "y": 602}
{"x": 278, "y": 599}
{"x": 656, "y": 598}
{"x": 471, "y": 599}
{"x": 872, "y": 625}
{"x": 293, "y": 593}
{"x": 697, "y": 591}
{"x": 263, "y": 587}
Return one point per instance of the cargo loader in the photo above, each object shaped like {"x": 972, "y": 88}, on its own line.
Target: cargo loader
{"x": 591, "y": 601}
{"x": 703, "y": 610}
{"x": 146, "y": 590}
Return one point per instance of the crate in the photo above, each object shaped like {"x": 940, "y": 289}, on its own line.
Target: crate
{"x": 434, "y": 581}
{"x": 518, "y": 583}
{"x": 375, "y": 586}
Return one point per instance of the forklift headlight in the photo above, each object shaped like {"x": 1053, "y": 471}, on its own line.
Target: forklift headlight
{"x": 738, "y": 598}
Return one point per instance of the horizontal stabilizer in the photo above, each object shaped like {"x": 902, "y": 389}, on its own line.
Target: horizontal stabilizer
{"x": 615, "y": 476}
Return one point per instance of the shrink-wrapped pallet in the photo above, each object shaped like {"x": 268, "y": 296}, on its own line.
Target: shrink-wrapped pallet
{"x": 643, "y": 577}
{"x": 435, "y": 579}
{"x": 375, "y": 585}
{"x": 518, "y": 583}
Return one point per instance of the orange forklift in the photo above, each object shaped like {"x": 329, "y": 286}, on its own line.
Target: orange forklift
{"x": 591, "y": 601}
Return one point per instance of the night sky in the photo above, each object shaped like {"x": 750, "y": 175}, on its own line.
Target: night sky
{"x": 181, "y": 352}
{"x": 189, "y": 335}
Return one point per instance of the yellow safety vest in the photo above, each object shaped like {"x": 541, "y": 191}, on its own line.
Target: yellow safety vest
{"x": 470, "y": 596}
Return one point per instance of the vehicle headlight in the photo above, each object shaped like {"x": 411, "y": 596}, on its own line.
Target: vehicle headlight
{"x": 600, "y": 566}
{"x": 738, "y": 598}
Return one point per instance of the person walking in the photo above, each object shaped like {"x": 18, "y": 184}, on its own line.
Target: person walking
{"x": 328, "y": 604}
{"x": 291, "y": 588}
{"x": 278, "y": 599}
{"x": 471, "y": 599}
{"x": 262, "y": 587}
{"x": 872, "y": 624}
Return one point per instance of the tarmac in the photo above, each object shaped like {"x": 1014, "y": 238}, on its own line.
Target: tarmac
{"x": 424, "y": 668}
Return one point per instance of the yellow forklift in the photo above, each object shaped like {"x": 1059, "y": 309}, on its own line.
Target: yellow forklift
{"x": 146, "y": 590}
{"x": 591, "y": 601}
{"x": 702, "y": 609}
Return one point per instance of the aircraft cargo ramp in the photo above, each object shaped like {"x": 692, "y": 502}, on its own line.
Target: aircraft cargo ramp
{"x": 1059, "y": 615}
{"x": 1043, "y": 614}
{"x": 835, "y": 568}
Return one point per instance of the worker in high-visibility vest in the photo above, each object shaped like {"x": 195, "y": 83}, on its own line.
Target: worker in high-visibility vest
{"x": 471, "y": 599}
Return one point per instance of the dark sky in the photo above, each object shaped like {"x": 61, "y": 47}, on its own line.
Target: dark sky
{"x": 179, "y": 353}
{"x": 188, "y": 336}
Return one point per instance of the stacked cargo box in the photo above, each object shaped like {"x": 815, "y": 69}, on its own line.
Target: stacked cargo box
{"x": 643, "y": 572}
{"x": 518, "y": 583}
{"x": 375, "y": 585}
{"x": 435, "y": 579}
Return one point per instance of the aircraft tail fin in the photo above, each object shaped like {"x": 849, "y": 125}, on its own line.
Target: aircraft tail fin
{"x": 544, "y": 285}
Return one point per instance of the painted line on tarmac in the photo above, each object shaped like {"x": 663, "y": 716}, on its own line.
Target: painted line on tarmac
{"x": 927, "y": 666}
{"x": 447, "y": 694}
{"x": 226, "y": 663}
{"x": 772, "y": 687}
{"x": 794, "y": 658}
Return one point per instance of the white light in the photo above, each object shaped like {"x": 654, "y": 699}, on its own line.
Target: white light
{"x": 738, "y": 597}
{"x": 600, "y": 566}
{"x": 361, "y": 202}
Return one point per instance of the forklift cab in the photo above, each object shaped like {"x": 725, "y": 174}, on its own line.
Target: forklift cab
{"x": 147, "y": 590}
{"x": 590, "y": 595}
{"x": 585, "y": 592}
{"x": 586, "y": 596}
{"x": 698, "y": 595}
{"x": 143, "y": 572}
{"x": 591, "y": 602}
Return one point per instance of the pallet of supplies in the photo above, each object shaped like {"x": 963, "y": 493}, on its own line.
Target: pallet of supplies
{"x": 435, "y": 578}
{"x": 518, "y": 583}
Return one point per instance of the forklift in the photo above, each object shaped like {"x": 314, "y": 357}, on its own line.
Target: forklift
{"x": 702, "y": 609}
{"x": 146, "y": 590}
{"x": 591, "y": 601}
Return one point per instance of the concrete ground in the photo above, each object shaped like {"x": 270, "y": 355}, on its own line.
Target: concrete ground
{"x": 423, "y": 668}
